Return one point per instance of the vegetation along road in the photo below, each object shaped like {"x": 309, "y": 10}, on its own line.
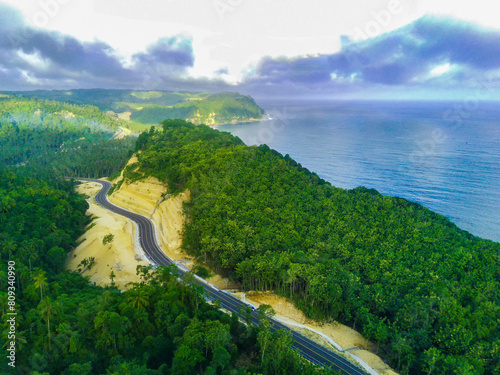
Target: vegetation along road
{"x": 307, "y": 348}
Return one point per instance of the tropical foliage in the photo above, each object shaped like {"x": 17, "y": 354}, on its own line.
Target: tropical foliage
{"x": 64, "y": 324}
{"x": 427, "y": 292}
{"x": 152, "y": 107}
{"x": 56, "y": 138}
{"x": 215, "y": 109}
{"x": 67, "y": 326}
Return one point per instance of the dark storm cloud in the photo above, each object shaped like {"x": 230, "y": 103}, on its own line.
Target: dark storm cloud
{"x": 461, "y": 42}
{"x": 31, "y": 57}
{"x": 403, "y": 57}
{"x": 171, "y": 51}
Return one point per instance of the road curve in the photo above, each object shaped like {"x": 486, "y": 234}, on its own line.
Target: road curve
{"x": 309, "y": 349}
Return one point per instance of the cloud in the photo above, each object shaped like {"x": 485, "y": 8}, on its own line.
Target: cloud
{"x": 175, "y": 51}
{"x": 404, "y": 57}
{"x": 35, "y": 58}
{"x": 409, "y": 58}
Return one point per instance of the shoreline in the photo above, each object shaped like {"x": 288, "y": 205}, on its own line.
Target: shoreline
{"x": 265, "y": 117}
{"x": 241, "y": 122}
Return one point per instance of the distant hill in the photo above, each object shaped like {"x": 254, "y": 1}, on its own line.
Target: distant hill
{"x": 51, "y": 138}
{"x": 151, "y": 107}
{"x": 41, "y": 113}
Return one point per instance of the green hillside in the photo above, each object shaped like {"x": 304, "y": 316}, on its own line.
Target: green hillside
{"x": 46, "y": 137}
{"x": 426, "y": 291}
{"x": 35, "y": 113}
{"x": 66, "y": 325}
{"x": 152, "y": 107}
{"x": 213, "y": 110}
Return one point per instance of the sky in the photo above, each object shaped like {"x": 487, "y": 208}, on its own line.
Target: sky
{"x": 357, "y": 49}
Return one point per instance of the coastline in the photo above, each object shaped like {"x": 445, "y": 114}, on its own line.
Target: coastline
{"x": 264, "y": 118}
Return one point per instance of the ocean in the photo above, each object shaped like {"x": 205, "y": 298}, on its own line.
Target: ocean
{"x": 443, "y": 155}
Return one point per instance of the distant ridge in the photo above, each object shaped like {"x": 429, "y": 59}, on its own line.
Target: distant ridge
{"x": 152, "y": 107}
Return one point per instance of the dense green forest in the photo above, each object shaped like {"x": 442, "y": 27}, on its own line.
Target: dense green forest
{"x": 152, "y": 107}
{"x": 46, "y": 136}
{"x": 67, "y": 326}
{"x": 107, "y": 100}
{"x": 64, "y": 324}
{"x": 426, "y": 291}
{"x": 60, "y": 115}
{"x": 215, "y": 109}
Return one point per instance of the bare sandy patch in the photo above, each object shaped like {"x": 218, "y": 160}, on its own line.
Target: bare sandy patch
{"x": 89, "y": 189}
{"x": 169, "y": 218}
{"x": 118, "y": 256}
{"x": 140, "y": 196}
{"x": 224, "y": 283}
{"x": 281, "y": 306}
{"x": 124, "y": 116}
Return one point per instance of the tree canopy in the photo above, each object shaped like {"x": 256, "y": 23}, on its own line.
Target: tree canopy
{"x": 426, "y": 291}
{"x": 66, "y": 325}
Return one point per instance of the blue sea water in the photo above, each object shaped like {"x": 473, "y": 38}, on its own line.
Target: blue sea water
{"x": 443, "y": 155}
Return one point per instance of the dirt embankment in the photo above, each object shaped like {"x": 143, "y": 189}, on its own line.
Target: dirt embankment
{"x": 121, "y": 256}
{"x": 117, "y": 256}
{"x": 349, "y": 339}
{"x": 150, "y": 198}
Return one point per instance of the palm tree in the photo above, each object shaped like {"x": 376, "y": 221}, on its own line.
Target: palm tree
{"x": 39, "y": 280}
{"x": 24, "y": 275}
{"x": 164, "y": 274}
{"x": 47, "y": 311}
{"x": 112, "y": 277}
{"x": 138, "y": 298}
{"x": 20, "y": 339}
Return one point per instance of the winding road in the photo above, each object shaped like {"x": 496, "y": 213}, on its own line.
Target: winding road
{"x": 309, "y": 349}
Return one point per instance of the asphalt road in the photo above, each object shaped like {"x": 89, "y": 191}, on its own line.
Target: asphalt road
{"x": 307, "y": 348}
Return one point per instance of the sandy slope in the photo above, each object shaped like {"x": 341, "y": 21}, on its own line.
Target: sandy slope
{"x": 150, "y": 198}
{"x": 223, "y": 283}
{"x": 117, "y": 256}
{"x": 124, "y": 115}
{"x": 346, "y": 337}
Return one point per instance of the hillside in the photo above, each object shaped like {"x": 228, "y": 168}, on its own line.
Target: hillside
{"x": 68, "y": 325}
{"x": 36, "y": 113}
{"x": 50, "y": 137}
{"x": 152, "y": 107}
{"x": 411, "y": 280}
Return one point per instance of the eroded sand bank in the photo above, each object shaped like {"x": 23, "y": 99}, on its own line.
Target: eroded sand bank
{"x": 349, "y": 339}
{"x": 117, "y": 256}
{"x": 150, "y": 198}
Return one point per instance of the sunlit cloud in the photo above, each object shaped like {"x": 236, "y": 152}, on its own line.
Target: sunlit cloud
{"x": 441, "y": 69}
